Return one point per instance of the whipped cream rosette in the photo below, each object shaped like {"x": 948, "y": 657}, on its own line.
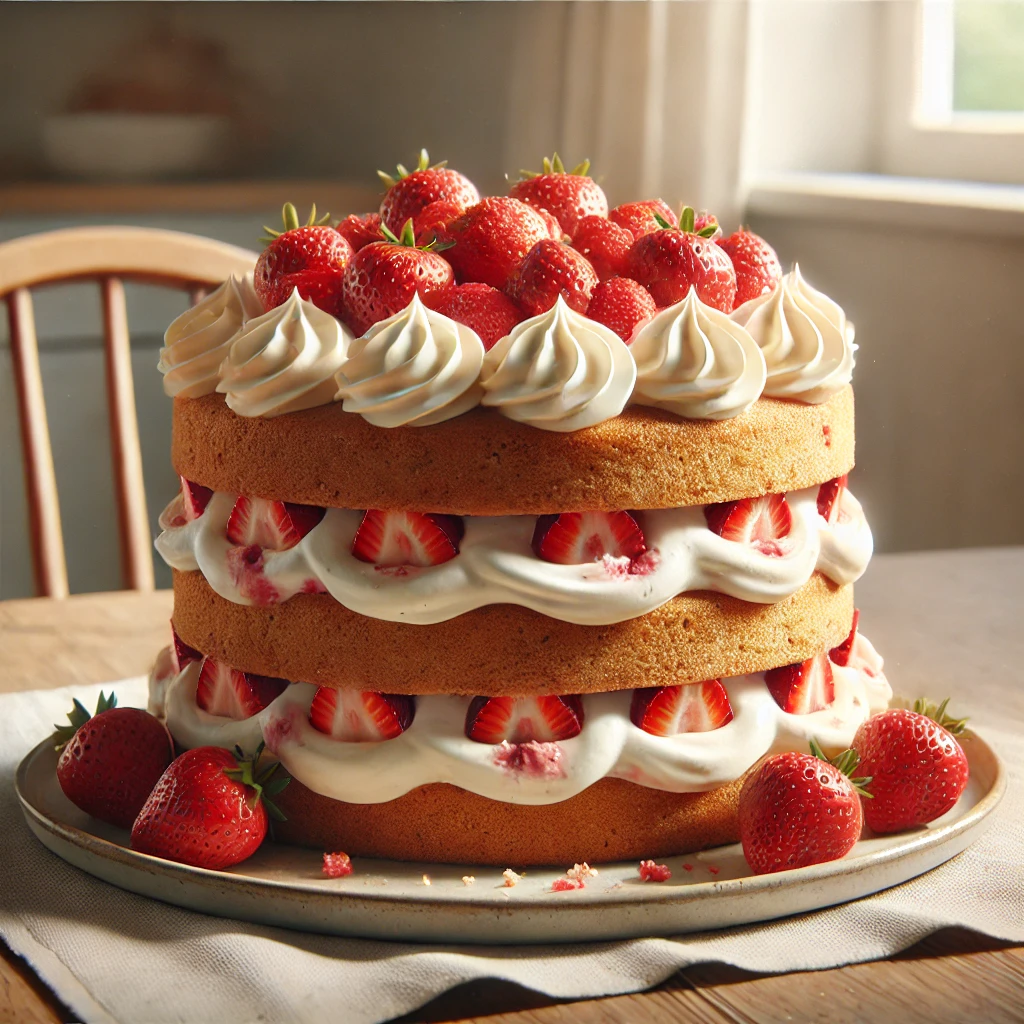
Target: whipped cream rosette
{"x": 197, "y": 342}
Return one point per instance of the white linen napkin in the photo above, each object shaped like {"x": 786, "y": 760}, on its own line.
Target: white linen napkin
{"x": 112, "y": 956}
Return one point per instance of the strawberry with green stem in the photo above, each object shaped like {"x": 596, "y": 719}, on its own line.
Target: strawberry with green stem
{"x": 567, "y": 195}
{"x": 411, "y": 192}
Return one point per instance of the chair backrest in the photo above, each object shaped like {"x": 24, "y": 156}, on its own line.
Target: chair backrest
{"x": 109, "y": 256}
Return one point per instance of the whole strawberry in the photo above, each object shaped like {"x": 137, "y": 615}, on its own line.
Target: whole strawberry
{"x": 797, "y": 809}
{"x": 492, "y": 314}
{"x": 671, "y": 261}
{"x": 382, "y": 277}
{"x": 605, "y": 245}
{"x": 917, "y": 767}
{"x": 620, "y": 303}
{"x": 310, "y": 257}
{"x": 757, "y": 267}
{"x": 412, "y": 191}
{"x": 209, "y": 808}
{"x": 643, "y": 217}
{"x": 549, "y": 270}
{"x": 490, "y": 240}
{"x": 360, "y": 229}
{"x": 111, "y": 761}
{"x": 567, "y": 195}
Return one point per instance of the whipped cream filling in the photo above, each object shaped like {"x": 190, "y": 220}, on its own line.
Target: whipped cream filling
{"x": 496, "y": 565}
{"x": 435, "y": 748}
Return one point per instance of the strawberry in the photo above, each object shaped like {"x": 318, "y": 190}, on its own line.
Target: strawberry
{"x": 757, "y": 267}
{"x": 841, "y": 655}
{"x": 549, "y": 270}
{"x": 797, "y": 809}
{"x": 761, "y": 522}
{"x": 524, "y": 719}
{"x": 407, "y": 538}
{"x": 829, "y": 495}
{"x": 311, "y": 258}
{"x": 918, "y": 768}
{"x": 492, "y": 314}
{"x": 337, "y": 865}
{"x": 432, "y": 218}
{"x": 567, "y": 195}
{"x": 412, "y": 191}
{"x": 671, "y": 261}
{"x": 668, "y": 710}
{"x": 360, "y": 229}
{"x": 605, "y": 244}
{"x": 229, "y": 693}
{"x": 381, "y": 279}
{"x": 621, "y": 304}
{"x": 356, "y": 717}
{"x": 491, "y": 239}
{"x": 273, "y": 525}
{"x": 183, "y": 655}
{"x": 802, "y": 688}
{"x": 187, "y": 506}
{"x": 555, "y": 231}
{"x": 575, "y": 538}
{"x": 651, "y": 872}
{"x": 209, "y": 808}
{"x": 110, "y": 761}
{"x": 641, "y": 218}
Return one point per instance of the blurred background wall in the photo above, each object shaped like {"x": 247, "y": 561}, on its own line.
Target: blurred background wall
{"x": 879, "y": 143}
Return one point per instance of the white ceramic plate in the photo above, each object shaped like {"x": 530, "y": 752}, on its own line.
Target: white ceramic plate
{"x": 283, "y": 885}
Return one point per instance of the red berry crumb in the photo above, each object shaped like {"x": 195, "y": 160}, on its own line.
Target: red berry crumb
{"x": 337, "y": 865}
{"x": 565, "y": 884}
{"x": 651, "y": 872}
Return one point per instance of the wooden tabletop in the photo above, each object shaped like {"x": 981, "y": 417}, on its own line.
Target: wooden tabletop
{"x": 949, "y": 616}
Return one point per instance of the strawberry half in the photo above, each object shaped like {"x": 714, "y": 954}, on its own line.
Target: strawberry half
{"x": 575, "y": 538}
{"x": 187, "y": 505}
{"x": 829, "y": 495}
{"x": 841, "y": 655}
{"x": 407, "y": 538}
{"x": 360, "y": 717}
{"x": 230, "y": 693}
{"x": 760, "y": 522}
{"x": 567, "y": 195}
{"x": 524, "y": 719}
{"x": 668, "y": 710}
{"x": 183, "y": 655}
{"x": 271, "y": 525}
{"x": 802, "y": 688}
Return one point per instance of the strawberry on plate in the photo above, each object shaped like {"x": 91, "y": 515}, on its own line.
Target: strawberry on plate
{"x": 310, "y": 257}
{"x": 567, "y": 195}
{"x": 524, "y": 719}
{"x": 671, "y": 261}
{"x": 187, "y": 506}
{"x": 491, "y": 239}
{"x": 575, "y": 538}
{"x": 841, "y": 655}
{"x": 669, "y": 710}
{"x": 361, "y": 717}
{"x": 802, "y": 688}
{"x": 489, "y": 312}
{"x": 643, "y": 217}
{"x": 271, "y": 525}
{"x": 410, "y": 192}
{"x": 360, "y": 229}
{"x": 757, "y": 267}
{"x": 230, "y": 693}
{"x": 407, "y": 538}
{"x": 551, "y": 269}
{"x": 918, "y": 768}
{"x": 761, "y": 522}
{"x": 110, "y": 761}
{"x": 605, "y": 245}
{"x": 381, "y": 279}
{"x": 621, "y": 304}
{"x": 209, "y": 808}
{"x": 798, "y": 809}
{"x": 830, "y": 496}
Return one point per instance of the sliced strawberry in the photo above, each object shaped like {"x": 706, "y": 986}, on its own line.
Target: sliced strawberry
{"x": 407, "y": 538}
{"x": 183, "y": 654}
{"x": 841, "y": 655}
{"x": 760, "y": 522}
{"x": 803, "y": 688}
{"x": 195, "y": 498}
{"x": 575, "y": 538}
{"x": 829, "y": 498}
{"x": 522, "y": 719}
{"x": 272, "y": 525}
{"x": 668, "y": 710}
{"x": 360, "y": 717}
{"x": 230, "y": 693}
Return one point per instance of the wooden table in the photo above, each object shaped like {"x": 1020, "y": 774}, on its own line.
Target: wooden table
{"x": 935, "y": 616}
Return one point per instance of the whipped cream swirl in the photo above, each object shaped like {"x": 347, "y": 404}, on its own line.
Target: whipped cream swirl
{"x": 805, "y": 338}
{"x": 284, "y": 360}
{"x": 197, "y": 342}
{"x": 416, "y": 368}
{"x": 694, "y": 361}
{"x": 559, "y": 371}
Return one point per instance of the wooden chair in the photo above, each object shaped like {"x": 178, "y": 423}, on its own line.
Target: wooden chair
{"x": 107, "y": 255}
